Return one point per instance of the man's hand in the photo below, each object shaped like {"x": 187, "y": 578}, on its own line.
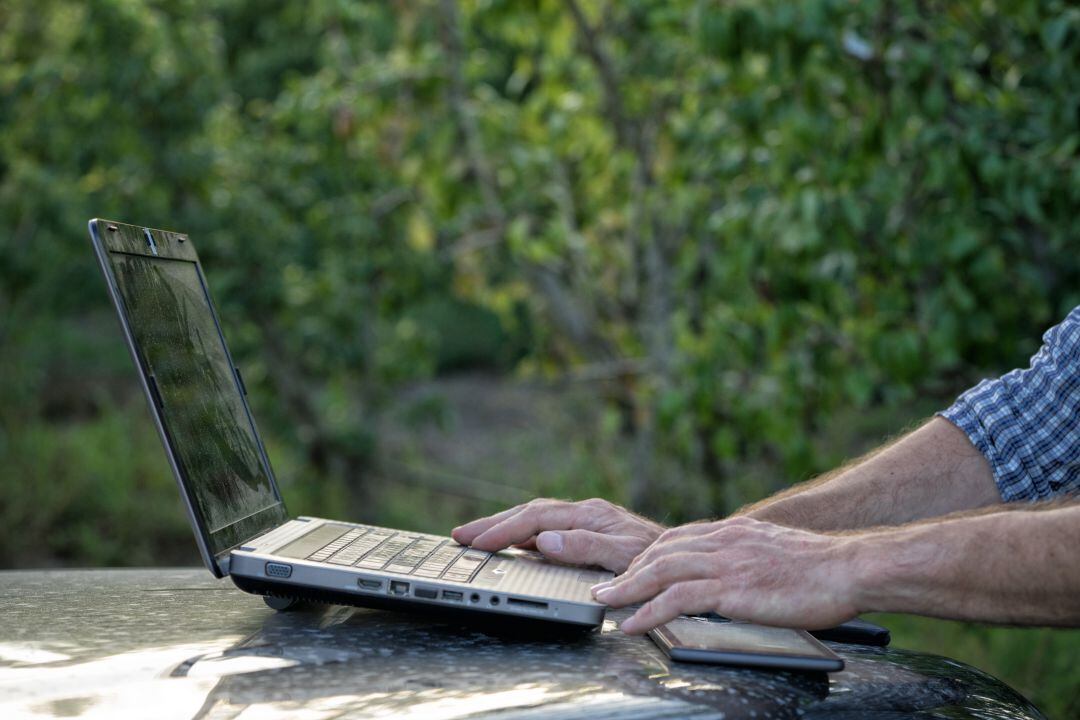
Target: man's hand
{"x": 740, "y": 568}
{"x": 590, "y": 532}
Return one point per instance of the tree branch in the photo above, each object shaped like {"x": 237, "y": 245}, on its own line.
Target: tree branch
{"x": 454, "y": 46}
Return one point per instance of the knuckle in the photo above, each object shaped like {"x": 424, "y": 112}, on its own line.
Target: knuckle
{"x": 596, "y": 504}
{"x": 721, "y": 533}
{"x": 534, "y": 508}
{"x": 645, "y": 558}
{"x": 653, "y": 576}
{"x": 669, "y": 534}
{"x": 731, "y": 528}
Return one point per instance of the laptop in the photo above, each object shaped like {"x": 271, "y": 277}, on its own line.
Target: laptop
{"x": 197, "y": 399}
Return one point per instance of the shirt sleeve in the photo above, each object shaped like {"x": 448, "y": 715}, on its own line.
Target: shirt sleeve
{"x": 1027, "y": 422}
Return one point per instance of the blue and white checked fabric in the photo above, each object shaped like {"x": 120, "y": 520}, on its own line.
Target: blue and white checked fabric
{"x": 1027, "y": 422}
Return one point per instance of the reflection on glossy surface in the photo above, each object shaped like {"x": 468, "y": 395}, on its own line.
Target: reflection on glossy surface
{"x": 177, "y": 644}
{"x": 213, "y": 438}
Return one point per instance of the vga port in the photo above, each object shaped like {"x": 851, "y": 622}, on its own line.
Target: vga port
{"x": 279, "y": 570}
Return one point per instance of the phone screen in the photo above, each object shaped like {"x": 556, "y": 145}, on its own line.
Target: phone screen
{"x": 739, "y": 637}
{"x": 742, "y": 643}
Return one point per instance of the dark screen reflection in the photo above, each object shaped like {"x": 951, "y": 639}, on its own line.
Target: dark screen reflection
{"x": 211, "y": 434}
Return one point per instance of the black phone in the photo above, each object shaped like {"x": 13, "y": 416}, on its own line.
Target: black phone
{"x": 855, "y": 632}
{"x": 692, "y": 639}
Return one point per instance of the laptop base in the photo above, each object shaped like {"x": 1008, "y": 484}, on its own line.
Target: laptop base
{"x": 294, "y": 596}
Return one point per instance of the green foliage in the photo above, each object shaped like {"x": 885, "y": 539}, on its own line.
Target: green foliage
{"x": 771, "y": 210}
{"x": 67, "y": 498}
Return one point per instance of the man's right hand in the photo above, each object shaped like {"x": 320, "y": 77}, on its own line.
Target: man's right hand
{"x": 590, "y": 532}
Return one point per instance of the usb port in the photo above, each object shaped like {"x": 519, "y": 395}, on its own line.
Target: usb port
{"x": 453, "y": 595}
{"x": 426, "y": 593}
{"x": 397, "y": 587}
{"x": 369, "y": 584}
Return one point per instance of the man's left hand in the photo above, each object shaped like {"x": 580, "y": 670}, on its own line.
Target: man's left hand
{"x": 743, "y": 569}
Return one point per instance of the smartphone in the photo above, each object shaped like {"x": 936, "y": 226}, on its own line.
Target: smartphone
{"x": 855, "y": 632}
{"x": 743, "y": 644}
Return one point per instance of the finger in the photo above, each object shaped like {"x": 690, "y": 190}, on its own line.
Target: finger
{"x": 655, "y": 578}
{"x": 532, "y": 520}
{"x": 660, "y": 550}
{"x": 683, "y": 532}
{"x": 685, "y": 598}
{"x": 466, "y": 533}
{"x": 529, "y": 544}
{"x": 585, "y": 547}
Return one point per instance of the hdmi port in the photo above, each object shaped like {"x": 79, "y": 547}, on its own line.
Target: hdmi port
{"x": 527, "y": 604}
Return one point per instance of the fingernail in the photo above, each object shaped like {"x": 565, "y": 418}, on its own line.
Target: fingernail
{"x": 600, "y": 586}
{"x": 549, "y": 542}
{"x": 603, "y": 593}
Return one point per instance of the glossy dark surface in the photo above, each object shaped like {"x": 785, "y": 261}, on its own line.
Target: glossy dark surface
{"x": 179, "y": 644}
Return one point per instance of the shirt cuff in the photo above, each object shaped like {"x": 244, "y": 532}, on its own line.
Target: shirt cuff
{"x": 1013, "y": 486}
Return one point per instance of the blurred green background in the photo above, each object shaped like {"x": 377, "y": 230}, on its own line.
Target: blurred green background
{"x": 676, "y": 253}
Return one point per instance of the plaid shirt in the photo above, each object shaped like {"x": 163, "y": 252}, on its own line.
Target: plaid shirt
{"x": 1027, "y": 422}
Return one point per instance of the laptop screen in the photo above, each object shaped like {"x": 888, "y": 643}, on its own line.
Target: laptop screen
{"x": 211, "y": 434}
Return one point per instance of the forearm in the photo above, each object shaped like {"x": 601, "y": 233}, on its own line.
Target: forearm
{"x": 932, "y": 471}
{"x": 1010, "y": 567}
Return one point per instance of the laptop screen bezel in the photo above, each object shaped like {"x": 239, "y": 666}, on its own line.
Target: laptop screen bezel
{"x": 131, "y": 240}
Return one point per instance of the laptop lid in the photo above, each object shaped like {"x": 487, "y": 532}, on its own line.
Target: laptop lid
{"x": 195, "y": 391}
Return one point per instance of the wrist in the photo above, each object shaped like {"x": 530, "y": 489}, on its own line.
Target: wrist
{"x": 887, "y": 568}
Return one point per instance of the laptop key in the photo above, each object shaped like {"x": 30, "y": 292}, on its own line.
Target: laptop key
{"x": 457, "y": 576}
{"x": 329, "y": 549}
{"x": 385, "y": 552}
{"x": 371, "y": 563}
{"x": 466, "y": 565}
{"x": 439, "y": 560}
{"x": 402, "y": 569}
{"x": 378, "y": 549}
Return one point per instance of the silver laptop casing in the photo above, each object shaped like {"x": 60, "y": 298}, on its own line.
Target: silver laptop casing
{"x": 511, "y": 583}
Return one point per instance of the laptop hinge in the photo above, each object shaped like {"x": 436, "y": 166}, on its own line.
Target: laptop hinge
{"x": 223, "y": 560}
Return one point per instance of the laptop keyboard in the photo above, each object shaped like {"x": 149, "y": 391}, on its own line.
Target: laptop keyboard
{"x": 397, "y": 552}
